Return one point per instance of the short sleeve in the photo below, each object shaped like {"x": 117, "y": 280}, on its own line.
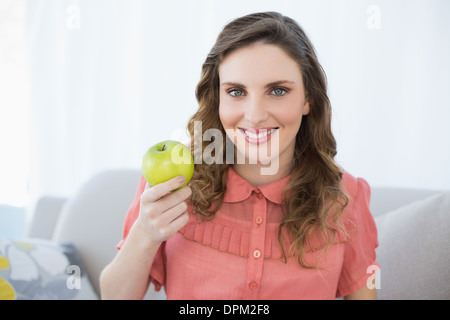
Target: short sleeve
{"x": 359, "y": 256}
{"x": 157, "y": 272}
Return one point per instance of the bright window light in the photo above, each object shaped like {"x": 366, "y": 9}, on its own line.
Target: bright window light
{"x": 14, "y": 105}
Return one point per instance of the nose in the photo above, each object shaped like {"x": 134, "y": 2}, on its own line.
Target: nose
{"x": 256, "y": 111}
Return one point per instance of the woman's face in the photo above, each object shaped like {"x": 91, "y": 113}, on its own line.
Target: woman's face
{"x": 262, "y": 101}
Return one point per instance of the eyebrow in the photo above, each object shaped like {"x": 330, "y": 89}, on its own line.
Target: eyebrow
{"x": 269, "y": 85}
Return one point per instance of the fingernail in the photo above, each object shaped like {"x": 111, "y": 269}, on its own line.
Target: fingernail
{"x": 181, "y": 179}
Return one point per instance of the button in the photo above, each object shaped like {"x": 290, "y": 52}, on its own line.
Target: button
{"x": 256, "y": 254}
{"x": 253, "y": 285}
{"x": 259, "y": 220}
{"x": 259, "y": 195}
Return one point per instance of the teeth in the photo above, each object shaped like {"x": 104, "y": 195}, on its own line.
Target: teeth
{"x": 260, "y": 135}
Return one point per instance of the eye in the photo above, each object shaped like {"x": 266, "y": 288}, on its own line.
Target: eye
{"x": 278, "y": 92}
{"x": 235, "y": 92}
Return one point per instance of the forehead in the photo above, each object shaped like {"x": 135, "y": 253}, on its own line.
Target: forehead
{"x": 259, "y": 63}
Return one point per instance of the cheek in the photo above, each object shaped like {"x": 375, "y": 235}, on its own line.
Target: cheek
{"x": 228, "y": 116}
{"x": 292, "y": 121}
{"x": 290, "y": 117}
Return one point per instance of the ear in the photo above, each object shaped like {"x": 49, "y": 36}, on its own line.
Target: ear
{"x": 306, "y": 106}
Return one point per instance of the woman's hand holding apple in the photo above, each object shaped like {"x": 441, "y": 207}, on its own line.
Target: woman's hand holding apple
{"x": 162, "y": 212}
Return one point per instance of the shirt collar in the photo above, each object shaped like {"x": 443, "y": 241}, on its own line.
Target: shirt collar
{"x": 239, "y": 189}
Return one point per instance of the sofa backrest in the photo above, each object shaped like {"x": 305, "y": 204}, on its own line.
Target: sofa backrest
{"x": 92, "y": 220}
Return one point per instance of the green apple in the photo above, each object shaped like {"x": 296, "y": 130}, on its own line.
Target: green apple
{"x": 167, "y": 160}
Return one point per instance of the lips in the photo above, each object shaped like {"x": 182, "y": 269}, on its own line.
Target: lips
{"x": 258, "y": 135}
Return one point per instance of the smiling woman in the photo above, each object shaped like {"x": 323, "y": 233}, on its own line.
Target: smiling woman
{"x": 262, "y": 84}
{"x": 255, "y": 55}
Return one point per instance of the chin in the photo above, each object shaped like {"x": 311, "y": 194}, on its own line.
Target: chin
{"x": 257, "y": 155}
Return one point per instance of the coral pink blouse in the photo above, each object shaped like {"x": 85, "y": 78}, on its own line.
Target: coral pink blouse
{"x": 237, "y": 256}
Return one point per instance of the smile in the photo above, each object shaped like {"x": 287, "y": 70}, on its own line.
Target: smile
{"x": 258, "y": 135}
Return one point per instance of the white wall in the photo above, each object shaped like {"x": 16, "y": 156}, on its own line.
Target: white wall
{"x": 110, "y": 78}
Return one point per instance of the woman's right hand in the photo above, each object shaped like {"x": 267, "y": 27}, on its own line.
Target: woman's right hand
{"x": 162, "y": 212}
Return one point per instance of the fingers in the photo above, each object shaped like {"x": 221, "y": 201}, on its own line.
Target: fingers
{"x": 165, "y": 203}
{"x": 159, "y": 199}
{"x": 173, "y": 220}
{"x": 154, "y": 193}
{"x": 162, "y": 211}
{"x": 174, "y": 212}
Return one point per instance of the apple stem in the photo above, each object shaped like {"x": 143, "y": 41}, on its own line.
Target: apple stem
{"x": 163, "y": 148}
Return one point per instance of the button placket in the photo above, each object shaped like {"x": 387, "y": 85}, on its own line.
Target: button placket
{"x": 255, "y": 260}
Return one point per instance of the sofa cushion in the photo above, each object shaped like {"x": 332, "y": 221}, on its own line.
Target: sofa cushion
{"x": 41, "y": 269}
{"x": 414, "y": 250}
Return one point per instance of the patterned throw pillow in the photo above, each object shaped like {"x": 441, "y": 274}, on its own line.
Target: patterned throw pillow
{"x": 41, "y": 269}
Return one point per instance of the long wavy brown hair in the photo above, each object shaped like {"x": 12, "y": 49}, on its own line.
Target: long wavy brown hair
{"x": 313, "y": 199}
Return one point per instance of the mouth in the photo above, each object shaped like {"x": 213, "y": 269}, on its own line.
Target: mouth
{"x": 258, "y": 135}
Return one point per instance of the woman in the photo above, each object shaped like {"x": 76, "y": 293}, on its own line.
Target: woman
{"x": 276, "y": 219}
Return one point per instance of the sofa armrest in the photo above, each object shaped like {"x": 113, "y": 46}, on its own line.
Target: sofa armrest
{"x": 43, "y": 217}
{"x": 414, "y": 250}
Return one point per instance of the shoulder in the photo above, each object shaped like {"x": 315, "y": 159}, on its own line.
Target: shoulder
{"x": 355, "y": 187}
{"x": 357, "y": 217}
{"x": 358, "y": 193}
